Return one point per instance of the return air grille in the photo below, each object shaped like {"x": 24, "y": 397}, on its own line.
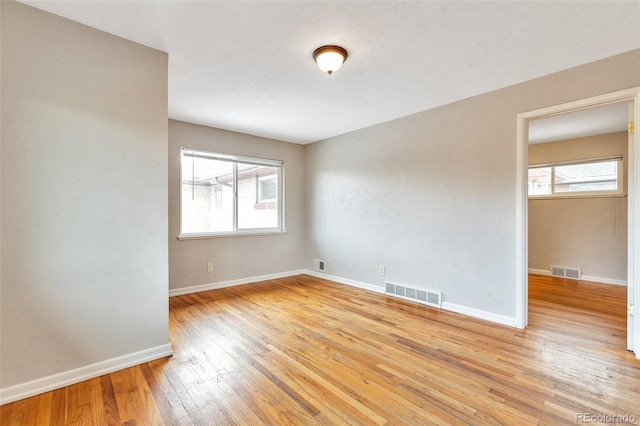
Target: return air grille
{"x": 562, "y": 271}
{"x": 433, "y": 299}
{"x": 426, "y": 297}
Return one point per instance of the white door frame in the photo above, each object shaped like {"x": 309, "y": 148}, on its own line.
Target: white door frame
{"x": 633, "y": 191}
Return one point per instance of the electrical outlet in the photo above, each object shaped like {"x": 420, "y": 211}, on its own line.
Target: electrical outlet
{"x": 381, "y": 270}
{"x": 318, "y": 265}
{"x": 209, "y": 267}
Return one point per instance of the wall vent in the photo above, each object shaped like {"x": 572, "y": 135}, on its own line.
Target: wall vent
{"x": 426, "y": 297}
{"x": 318, "y": 265}
{"x": 565, "y": 272}
{"x": 572, "y": 273}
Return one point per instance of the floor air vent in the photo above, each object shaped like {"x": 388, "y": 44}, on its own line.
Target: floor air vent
{"x": 561, "y": 271}
{"x": 426, "y": 297}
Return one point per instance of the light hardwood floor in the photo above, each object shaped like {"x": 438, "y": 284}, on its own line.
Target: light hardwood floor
{"x": 302, "y": 350}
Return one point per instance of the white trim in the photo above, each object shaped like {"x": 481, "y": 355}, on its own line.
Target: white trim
{"x": 600, "y": 280}
{"x": 479, "y": 314}
{"x": 70, "y": 377}
{"x": 347, "y": 281}
{"x": 539, "y": 271}
{"x": 452, "y": 307}
{"x": 576, "y": 195}
{"x": 617, "y": 157}
{"x": 521, "y": 267}
{"x": 231, "y": 157}
{"x": 253, "y": 233}
{"x": 633, "y": 225}
{"x": 522, "y": 212}
{"x": 231, "y": 283}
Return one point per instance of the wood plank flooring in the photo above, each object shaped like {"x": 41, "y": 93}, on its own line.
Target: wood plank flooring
{"x": 306, "y": 351}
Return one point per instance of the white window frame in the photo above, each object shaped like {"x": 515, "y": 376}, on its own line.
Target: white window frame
{"x": 620, "y": 191}
{"x": 236, "y": 159}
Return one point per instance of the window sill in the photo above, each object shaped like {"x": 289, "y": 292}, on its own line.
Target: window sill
{"x": 570, "y": 197}
{"x": 230, "y": 234}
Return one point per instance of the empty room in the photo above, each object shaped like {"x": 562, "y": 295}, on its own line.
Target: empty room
{"x": 224, "y": 212}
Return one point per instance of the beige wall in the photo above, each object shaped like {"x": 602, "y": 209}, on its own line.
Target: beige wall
{"x": 84, "y": 218}
{"x": 84, "y": 251}
{"x": 432, "y": 196}
{"x": 242, "y": 257}
{"x": 585, "y": 233}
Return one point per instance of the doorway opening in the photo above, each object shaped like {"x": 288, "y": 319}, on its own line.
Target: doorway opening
{"x": 577, "y": 222}
{"x": 526, "y": 121}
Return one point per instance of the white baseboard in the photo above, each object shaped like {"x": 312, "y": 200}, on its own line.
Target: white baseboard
{"x": 66, "y": 378}
{"x": 604, "y": 280}
{"x": 340, "y": 280}
{"x": 477, "y": 313}
{"x": 584, "y": 277}
{"x": 231, "y": 283}
{"x": 539, "y": 271}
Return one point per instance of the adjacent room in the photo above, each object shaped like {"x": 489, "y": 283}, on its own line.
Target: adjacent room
{"x": 578, "y": 207}
{"x": 250, "y": 213}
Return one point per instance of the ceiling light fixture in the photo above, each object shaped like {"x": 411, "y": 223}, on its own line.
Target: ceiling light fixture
{"x": 330, "y": 58}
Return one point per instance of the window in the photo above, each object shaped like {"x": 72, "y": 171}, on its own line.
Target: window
{"x": 595, "y": 177}
{"x": 267, "y": 188}
{"x": 539, "y": 181}
{"x": 225, "y": 194}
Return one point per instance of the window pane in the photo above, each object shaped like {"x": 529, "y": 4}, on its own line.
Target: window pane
{"x": 207, "y": 194}
{"x": 540, "y": 181}
{"x": 257, "y": 196}
{"x": 600, "y": 176}
{"x": 267, "y": 188}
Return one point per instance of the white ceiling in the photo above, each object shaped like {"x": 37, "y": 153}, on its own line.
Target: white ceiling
{"x": 246, "y": 66}
{"x": 587, "y": 122}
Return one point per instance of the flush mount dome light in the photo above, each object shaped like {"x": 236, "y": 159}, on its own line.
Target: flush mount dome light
{"x": 330, "y": 58}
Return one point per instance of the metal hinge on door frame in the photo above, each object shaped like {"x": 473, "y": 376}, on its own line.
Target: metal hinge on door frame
{"x": 632, "y": 127}
{"x": 630, "y": 310}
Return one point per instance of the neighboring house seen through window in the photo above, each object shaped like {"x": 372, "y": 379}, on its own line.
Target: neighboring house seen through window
{"x": 267, "y": 188}
{"x": 224, "y": 194}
